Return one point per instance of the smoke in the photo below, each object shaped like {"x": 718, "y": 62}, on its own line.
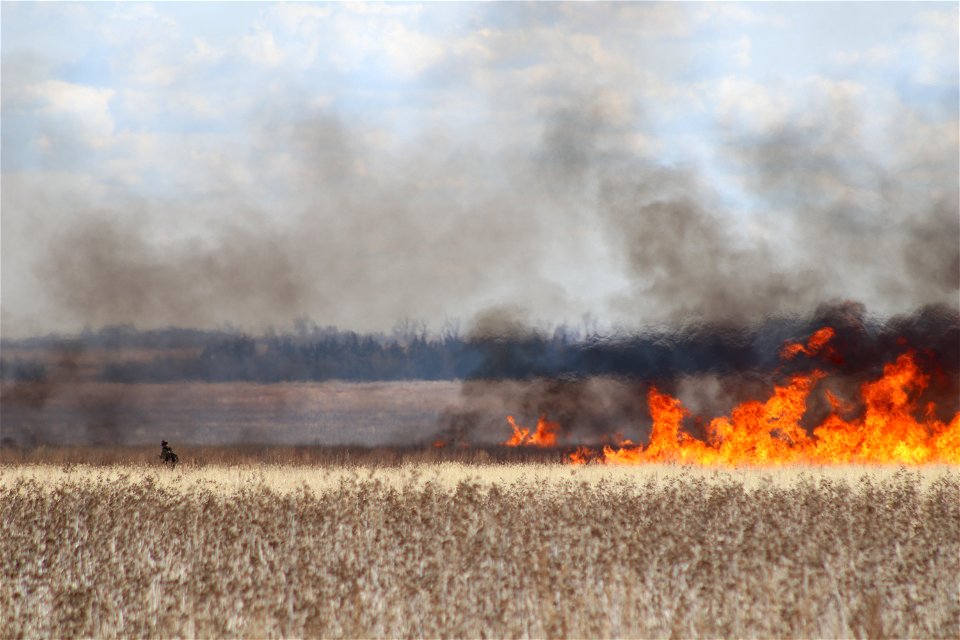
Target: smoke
{"x": 822, "y": 219}
{"x": 937, "y": 266}
{"x": 577, "y": 205}
{"x": 350, "y": 249}
{"x": 857, "y": 215}
{"x": 55, "y": 407}
{"x": 687, "y": 261}
{"x": 107, "y": 269}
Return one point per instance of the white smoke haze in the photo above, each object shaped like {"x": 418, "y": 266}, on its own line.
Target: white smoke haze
{"x": 643, "y": 163}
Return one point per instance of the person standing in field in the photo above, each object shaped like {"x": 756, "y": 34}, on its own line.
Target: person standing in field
{"x": 167, "y": 455}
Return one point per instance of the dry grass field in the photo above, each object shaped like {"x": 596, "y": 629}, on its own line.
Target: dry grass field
{"x": 460, "y": 550}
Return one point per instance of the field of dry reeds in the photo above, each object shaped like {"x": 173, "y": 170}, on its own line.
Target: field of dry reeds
{"x": 450, "y": 549}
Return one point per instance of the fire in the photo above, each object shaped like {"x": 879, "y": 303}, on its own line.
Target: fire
{"x": 582, "y": 455}
{"x": 544, "y": 436}
{"x": 770, "y": 432}
{"x": 815, "y": 344}
{"x": 888, "y": 431}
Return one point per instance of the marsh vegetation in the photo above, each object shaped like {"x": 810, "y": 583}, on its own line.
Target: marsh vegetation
{"x": 452, "y": 549}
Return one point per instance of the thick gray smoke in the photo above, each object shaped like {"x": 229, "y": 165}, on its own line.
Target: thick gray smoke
{"x": 863, "y": 222}
{"x": 690, "y": 261}
{"x": 536, "y": 167}
{"x": 364, "y": 252}
{"x": 106, "y": 269}
{"x": 352, "y": 251}
{"x": 832, "y": 222}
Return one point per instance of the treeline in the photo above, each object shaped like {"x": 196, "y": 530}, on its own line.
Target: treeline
{"x": 342, "y": 356}
{"x": 313, "y": 353}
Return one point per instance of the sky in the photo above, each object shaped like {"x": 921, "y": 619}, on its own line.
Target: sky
{"x": 628, "y": 164}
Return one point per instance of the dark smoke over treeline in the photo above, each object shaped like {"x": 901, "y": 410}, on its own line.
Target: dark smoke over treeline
{"x": 492, "y": 352}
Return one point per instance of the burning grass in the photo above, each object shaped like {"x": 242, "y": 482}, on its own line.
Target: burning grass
{"x": 771, "y": 432}
{"x": 448, "y": 549}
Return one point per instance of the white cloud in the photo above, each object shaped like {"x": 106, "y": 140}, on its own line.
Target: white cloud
{"x": 364, "y": 36}
{"x": 301, "y": 17}
{"x": 160, "y": 75}
{"x": 591, "y": 47}
{"x": 742, "y": 51}
{"x": 383, "y": 8}
{"x": 195, "y": 105}
{"x": 762, "y": 107}
{"x": 879, "y": 54}
{"x": 136, "y": 23}
{"x": 261, "y": 48}
{"x": 754, "y": 105}
{"x": 927, "y": 53}
{"x": 86, "y": 109}
{"x": 942, "y": 21}
{"x": 203, "y": 52}
{"x": 410, "y": 52}
{"x": 632, "y": 19}
{"x": 738, "y": 13}
{"x": 736, "y": 50}
{"x": 146, "y": 45}
{"x": 139, "y": 107}
{"x": 935, "y": 44}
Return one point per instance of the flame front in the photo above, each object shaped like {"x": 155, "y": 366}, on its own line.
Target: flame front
{"x": 770, "y": 432}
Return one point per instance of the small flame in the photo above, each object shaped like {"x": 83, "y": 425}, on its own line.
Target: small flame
{"x": 815, "y": 343}
{"x": 544, "y": 436}
{"x": 582, "y": 455}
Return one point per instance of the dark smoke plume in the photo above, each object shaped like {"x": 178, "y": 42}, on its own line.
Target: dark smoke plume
{"x": 840, "y": 225}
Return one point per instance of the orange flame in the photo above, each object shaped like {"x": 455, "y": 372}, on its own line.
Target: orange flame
{"x": 815, "y": 343}
{"x": 582, "y": 455}
{"x": 770, "y": 433}
{"x": 544, "y": 436}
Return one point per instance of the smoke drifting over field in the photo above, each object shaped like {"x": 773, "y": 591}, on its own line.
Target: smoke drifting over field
{"x": 583, "y": 186}
{"x": 368, "y": 250}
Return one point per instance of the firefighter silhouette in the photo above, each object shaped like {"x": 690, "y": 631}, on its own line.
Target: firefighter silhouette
{"x": 167, "y": 455}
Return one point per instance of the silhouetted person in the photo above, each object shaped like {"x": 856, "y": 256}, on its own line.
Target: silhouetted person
{"x": 167, "y": 455}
